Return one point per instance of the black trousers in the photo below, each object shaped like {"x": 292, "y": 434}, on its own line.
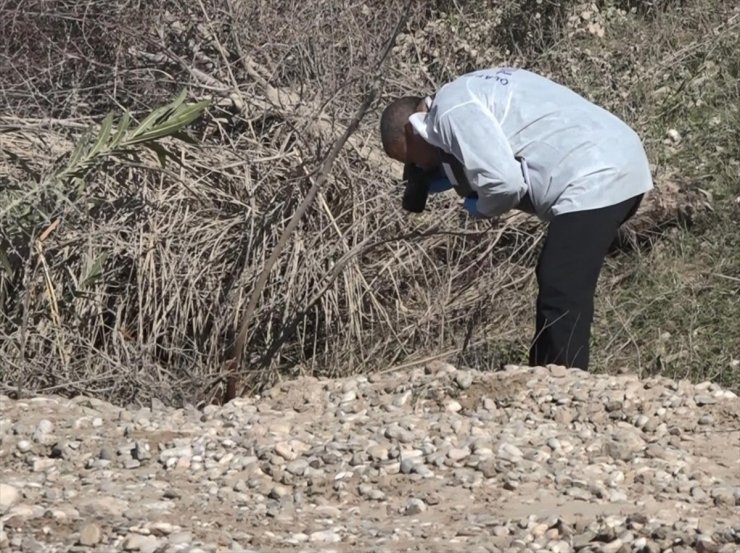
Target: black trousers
{"x": 567, "y": 272}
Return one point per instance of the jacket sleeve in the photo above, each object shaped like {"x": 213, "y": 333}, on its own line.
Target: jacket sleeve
{"x": 471, "y": 133}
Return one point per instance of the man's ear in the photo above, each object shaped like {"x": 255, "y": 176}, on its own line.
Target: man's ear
{"x": 413, "y": 141}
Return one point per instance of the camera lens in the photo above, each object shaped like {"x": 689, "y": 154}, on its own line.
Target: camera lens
{"x": 415, "y": 196}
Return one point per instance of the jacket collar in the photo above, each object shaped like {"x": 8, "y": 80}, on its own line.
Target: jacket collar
{"x": 423, "y": 127}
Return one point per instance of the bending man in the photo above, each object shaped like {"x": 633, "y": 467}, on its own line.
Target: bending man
{"x": 585, "y": 173}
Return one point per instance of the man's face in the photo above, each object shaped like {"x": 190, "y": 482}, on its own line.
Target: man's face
{"x": 419, "y": 151}
{"x": 415, "y": 149}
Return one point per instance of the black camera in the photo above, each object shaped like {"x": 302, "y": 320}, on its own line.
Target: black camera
{"x": 419, "y": 183}
{"x": 417, "y": 188}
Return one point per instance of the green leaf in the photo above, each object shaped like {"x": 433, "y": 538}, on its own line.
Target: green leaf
{"x": 168, "y": 120}
{"x": 148, "y": 122}
{"x": 103, "y": 136}
{"x": 94, "y": 273}
{"x": 184, "y": 118}
{"x": 122, "y": 128}
{"x": 78, "y": 152}
{"x": 157, "y": 114}
{"x": 160, "y": 132}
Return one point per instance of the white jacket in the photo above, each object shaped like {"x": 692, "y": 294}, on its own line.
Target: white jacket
{"x": 579, "y": 156}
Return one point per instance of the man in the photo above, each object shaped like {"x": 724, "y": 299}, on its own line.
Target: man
{"x": 517, "y": 140}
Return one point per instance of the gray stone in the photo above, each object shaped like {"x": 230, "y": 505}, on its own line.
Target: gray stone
{"x": 699, "y": 494}
{"x": 457, "y": 453}
{"x": 297, "y": 467}
{"x": 288, "y": 450}
{"x": 641, "y": 421}
{"x": 463, "y": 379}
{"x": 617, "y": 450}
{"x": 509, "y": 452}
{"x": 582, "y": 540}
{"x": 175, "y": 453}
{"x": 140, "y": 451}
{"x": 558, "y": 371}
{"x": 43, "y": 429}
{"x": 106, "y": 453}
{"x": 489, "y": 468}
{"x": 325, "y": 536}
{"x": 9, "y": 496}
{"x": 407, "y": 466}
{"x": 704, "y": 399}
{"x": 31, "y": 545}
{"x": 42, "y": 465}
{"x": 90, "y": 535}
{"x": 141, "y": 543}
{"x": 278, "y": 492}
{"x": 180, "y": 538}
{"x": 52, "y": 494}
{"x": 614, "y": 546}
{"x": 368, "y": 492}
{"x": 704, "y": 544}
{"x": 651, "y": 425}
{"x": 453, "y": 406}
{"x": 348, "y": 397}
{"x": 162, "y": 528}
{"x": 424, "y": 471}
{"x": 131, "y": 464}
{"x": 414, "y": 506}
{"x": 378, "y": 452}
{"x": 723, "y": 495}
{"x": 579, "y": 493}
{"x": 560, "y": 546}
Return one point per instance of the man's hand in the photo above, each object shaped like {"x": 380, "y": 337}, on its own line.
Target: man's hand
{"x": 435, "y": 180}
{"x": 440, "y": 185}
{"x": 471, "y": 206}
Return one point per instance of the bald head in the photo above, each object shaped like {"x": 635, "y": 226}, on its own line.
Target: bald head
{"x": 393, "y": 122}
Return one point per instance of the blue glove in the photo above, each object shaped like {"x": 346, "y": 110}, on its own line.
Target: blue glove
{"x": 439, "y": 185}
{"x": 438, "y": 181}
{"x": 471, "y": 206}
{"x": 433, "y": 181}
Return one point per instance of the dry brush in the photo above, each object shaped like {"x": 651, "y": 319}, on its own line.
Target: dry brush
{"x": 134, "y": 285}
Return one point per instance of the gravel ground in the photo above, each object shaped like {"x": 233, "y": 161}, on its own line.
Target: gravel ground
{"x": 434, "y": 460}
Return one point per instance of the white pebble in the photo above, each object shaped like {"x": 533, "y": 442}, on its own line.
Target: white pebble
{"x": 414, "y": 506}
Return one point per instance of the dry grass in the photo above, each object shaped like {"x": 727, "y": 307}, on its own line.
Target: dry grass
{"x": 133, "y": 286}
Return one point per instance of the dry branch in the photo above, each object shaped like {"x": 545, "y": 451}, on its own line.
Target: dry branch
{"x": 322, "y": 174}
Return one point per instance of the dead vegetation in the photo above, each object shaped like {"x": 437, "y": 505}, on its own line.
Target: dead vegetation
{"x": 134, "y": 285}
